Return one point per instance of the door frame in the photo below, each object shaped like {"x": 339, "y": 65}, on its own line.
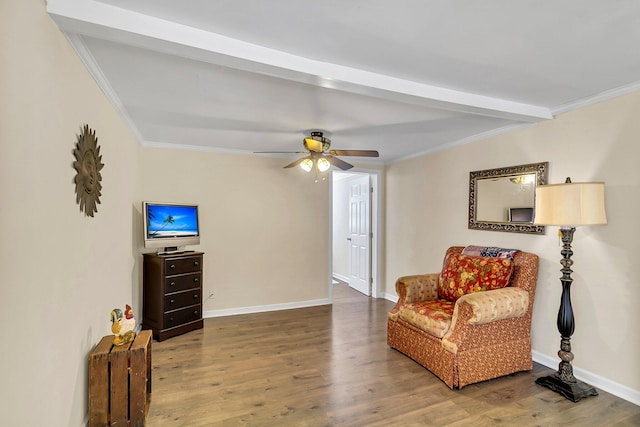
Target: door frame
{"x": 375, "y": 179}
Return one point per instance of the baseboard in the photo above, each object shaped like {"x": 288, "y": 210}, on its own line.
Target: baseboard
{"x": 265, "y": 308}
{"x": 604, "y": 384}
{"x": 390, "y": 297}
{"x": 341, "y": 277}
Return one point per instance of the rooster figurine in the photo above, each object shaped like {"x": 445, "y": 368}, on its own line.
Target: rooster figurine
{"x": 124, "y": 329}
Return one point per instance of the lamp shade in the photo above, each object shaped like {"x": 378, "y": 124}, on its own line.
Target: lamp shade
{"x": 570, "y": 204}
{"x": 307, "y": 164}
{"x": 323, "y": 164}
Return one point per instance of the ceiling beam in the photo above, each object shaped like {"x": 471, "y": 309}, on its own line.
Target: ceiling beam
{"x": 103, "y": 21}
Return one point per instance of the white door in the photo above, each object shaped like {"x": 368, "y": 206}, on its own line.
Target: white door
{"x": 360, "y": 235}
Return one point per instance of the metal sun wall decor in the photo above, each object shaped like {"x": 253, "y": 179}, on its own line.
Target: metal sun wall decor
{"x": 88, "y": 165}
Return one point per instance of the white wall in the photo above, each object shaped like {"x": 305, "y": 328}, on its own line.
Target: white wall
{"x": 61, "y": 273}
{"x": 427, "y": 211}
{"x": 341, "y": 247}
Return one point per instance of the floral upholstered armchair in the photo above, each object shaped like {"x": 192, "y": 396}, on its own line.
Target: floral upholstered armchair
{"x": 472, "y": 321}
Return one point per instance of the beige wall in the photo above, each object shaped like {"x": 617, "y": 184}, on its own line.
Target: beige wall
{"x": 264, "y": 233}
{"x": 61, "y": 272}
{"x": 427, "y": 211}
{"x": 264, "y": 228}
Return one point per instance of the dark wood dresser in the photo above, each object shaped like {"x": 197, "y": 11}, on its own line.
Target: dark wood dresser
{"x": 172, "y": 293}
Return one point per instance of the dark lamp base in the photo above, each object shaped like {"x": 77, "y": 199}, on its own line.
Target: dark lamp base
{"x": 573, "y": 391}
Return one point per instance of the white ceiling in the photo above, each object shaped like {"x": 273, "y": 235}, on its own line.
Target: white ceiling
{"x": 405, "y": 77}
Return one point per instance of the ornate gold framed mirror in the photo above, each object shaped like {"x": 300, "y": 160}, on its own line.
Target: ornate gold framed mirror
{"x": 503, "y": 199}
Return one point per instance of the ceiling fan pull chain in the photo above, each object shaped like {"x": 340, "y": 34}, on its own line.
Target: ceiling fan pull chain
{"x": 318, "y": 173}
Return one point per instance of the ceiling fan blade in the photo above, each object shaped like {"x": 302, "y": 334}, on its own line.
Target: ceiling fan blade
{"x": 341, "y": 164}
{"x": 279, "y": 152}
{"x": 361, "y": 153}
{"x": 313, "y": 145}
{"x": 296, "y": 163}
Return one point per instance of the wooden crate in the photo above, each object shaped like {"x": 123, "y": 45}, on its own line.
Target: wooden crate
{"x": 120, "y": 382}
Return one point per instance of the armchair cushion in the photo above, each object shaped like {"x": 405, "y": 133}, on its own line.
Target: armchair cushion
{"x": 433, "y": 316}
{"x": 465, "y": 274}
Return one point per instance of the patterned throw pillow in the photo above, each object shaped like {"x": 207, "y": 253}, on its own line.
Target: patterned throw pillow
{"x": 464, "y": 274}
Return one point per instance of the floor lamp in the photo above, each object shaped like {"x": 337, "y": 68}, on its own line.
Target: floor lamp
{"x": 568, "y": 205}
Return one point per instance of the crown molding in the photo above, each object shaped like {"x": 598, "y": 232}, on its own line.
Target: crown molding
{"x": 90, "y": 62}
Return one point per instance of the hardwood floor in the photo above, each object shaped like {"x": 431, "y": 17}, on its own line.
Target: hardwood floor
{"x": 331, "y": 366}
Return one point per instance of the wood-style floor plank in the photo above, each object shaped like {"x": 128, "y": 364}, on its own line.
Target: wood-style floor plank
{"x": 331, "y": 366}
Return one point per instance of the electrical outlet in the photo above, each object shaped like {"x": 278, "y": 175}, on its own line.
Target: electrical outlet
{"x": 212, "y": 294}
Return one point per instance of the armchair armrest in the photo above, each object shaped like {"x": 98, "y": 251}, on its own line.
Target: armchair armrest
{"x": 418, "y": 287}
{"x": 483, "y": 308}
{"x": 495, "y": 305}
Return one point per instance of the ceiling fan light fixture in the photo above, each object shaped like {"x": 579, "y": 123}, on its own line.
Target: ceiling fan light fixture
{"x": 307, "y": 165}
{"x": 320, "y": 158}
{"x": 323, "y": 164}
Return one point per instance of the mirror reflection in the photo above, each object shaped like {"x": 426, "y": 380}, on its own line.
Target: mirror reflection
{"x": 506, "y": 199}
{"x": 503, "y": 199}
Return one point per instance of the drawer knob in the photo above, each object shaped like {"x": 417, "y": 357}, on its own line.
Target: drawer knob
{"x": 172, "y": 266}
{"x": 195, "y": 296}
{"x": 195, "y": 311}
{"x": 172, "y": 301}
{"x": 196, "y": 280}
{"x": 172, "y": 284}
{"x": 196, "y": 263}
{"x": 171, "y": 318}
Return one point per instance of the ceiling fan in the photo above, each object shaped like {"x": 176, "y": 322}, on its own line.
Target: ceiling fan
{"x": 320, "y": 156}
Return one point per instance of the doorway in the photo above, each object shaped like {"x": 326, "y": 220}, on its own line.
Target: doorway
{"x": 355, "y": 230}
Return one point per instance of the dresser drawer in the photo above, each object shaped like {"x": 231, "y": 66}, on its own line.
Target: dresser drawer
{"x": 172, "y": 293}
{"x": 185, "y": 315}
{"x": 182, "y": 265}
{"x": 182, "y": 283}
{"x": 181, "y": 299}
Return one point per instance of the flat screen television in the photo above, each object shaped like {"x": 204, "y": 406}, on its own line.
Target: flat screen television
{"x": 170, "y": 225}
{"x": 520, "y": 214}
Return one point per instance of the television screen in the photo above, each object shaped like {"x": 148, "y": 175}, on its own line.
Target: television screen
{"x": 170, "y": 225}
{"x": 521, "y": 214}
